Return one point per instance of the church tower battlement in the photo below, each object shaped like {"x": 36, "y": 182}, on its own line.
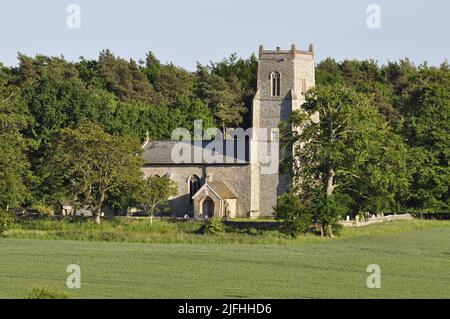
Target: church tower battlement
{"x": 283, "y": 78}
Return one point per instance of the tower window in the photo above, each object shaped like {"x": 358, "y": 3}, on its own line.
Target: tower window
{"x": 275, "y": 83}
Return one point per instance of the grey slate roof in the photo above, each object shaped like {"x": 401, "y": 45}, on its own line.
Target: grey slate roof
{"x": 160, "y": 153}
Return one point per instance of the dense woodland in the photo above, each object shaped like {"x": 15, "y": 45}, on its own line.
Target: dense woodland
{"x": 44, "y": 102}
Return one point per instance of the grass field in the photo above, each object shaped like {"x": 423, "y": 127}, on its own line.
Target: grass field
{"x": 414, "y": 257}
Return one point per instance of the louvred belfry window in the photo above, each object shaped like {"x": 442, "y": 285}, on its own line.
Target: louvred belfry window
{"x": 275, "y": 80}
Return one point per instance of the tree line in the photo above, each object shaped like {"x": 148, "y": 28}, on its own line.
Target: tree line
{"x": 382, "y": 142}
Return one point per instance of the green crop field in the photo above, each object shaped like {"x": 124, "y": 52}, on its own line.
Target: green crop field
{"x": 414, "y": 261}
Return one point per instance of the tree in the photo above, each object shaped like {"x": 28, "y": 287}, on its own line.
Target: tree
{"x": 155, "y": 194}
{"x": 365, "y": 77}
{"x": 15, "y": 174}
{"x": 134, "y": 120}
{"x": 6, "y": 219}
{"x": 185, "y": 111}
{"x": 228, "y": 88}
{"x": 241, "y": 76}
{"x": 89, "y": 164}
{"x": 57, "y": 103}
{"x": 169, "y": 80}
{"x": 213, "y": 90}
{"x": 425, "y": 106}
{"x": 125, "y": 79}
{"x": 327, "y": 210}
{"x": 349, "y": 151}
{"x": 230, "y": 115}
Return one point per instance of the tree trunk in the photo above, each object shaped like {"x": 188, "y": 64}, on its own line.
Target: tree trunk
{"x": 321, "y": 230}
{"x": 330, "y": 180}
{"x": 98, "y": 209}
{"x": 97, "y": 217}
{"x": 330, "y": 189}
{"x": 330, "y": 231}
{"x": 151, "y": 219}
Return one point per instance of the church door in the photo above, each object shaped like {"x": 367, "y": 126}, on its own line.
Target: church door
{"x": 208, "y": 207}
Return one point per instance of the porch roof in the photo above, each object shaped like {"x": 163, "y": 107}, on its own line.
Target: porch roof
{"x": 219, "y": 188}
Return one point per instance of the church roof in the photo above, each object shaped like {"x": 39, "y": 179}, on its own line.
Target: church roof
{"x": 219, "y": 188}
{"x": 160, "y": 153}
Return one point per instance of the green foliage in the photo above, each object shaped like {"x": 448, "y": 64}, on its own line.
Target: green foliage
{"x": 6, "y": 220}
{"x": 241, "y": 76}
{"x": 155, "y": 193}
{"x": 15, "y": 174}
{"x": 328, "y": 210}
{"x": 415, "y": 101}
{"x": 425, "y": 105}
{"x": 212, "y": 226}
{"x": 88, "y": 165}
{"x": 296, "y": 218}
{"x": 351, "y": 151}
{"x": 367, "y": 77}
{"x": 169, "y": 80}
{"x": 186, "y": 111}
{"x": 46, "y": 293}
{"x": 228, "y": 88}
{"x": 43, "y": 209}
{"x": 230, "y": 115}
{"x": 124, "y": 78}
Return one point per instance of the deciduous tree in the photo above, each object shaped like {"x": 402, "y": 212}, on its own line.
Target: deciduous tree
{"x": 89, "y": 164}
{"x": 350, "y": 150}
{"x": 155, "y": 193}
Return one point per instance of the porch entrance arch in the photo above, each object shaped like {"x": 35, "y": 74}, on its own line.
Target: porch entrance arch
{"x": 208, "y": 207}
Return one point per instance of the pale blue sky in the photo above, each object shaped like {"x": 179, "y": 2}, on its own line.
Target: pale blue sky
{"x": 184, "y": 32}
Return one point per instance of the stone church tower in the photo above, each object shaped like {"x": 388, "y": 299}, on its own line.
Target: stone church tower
{"x": 283, "y": 77}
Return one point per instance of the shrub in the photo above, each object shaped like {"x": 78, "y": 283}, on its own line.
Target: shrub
{"x": 295, "y": 217}
{"x": 336, "y": 229}
{"x": 328, "y": 210}
{"x": 253, "y": 231}
{"x": 6, "y": 220}
{"x": 213, "y": 226}
{"x": 297, "y": 223}
{"x": 43, "y": 210}
{"x": 45, "y": 293}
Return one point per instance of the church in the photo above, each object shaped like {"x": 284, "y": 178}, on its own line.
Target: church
{"x": 240, "y": 184}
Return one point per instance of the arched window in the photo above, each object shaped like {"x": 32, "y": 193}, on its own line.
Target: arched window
{"x": 194, "y": 185}
{"x": 275, "y": 84}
